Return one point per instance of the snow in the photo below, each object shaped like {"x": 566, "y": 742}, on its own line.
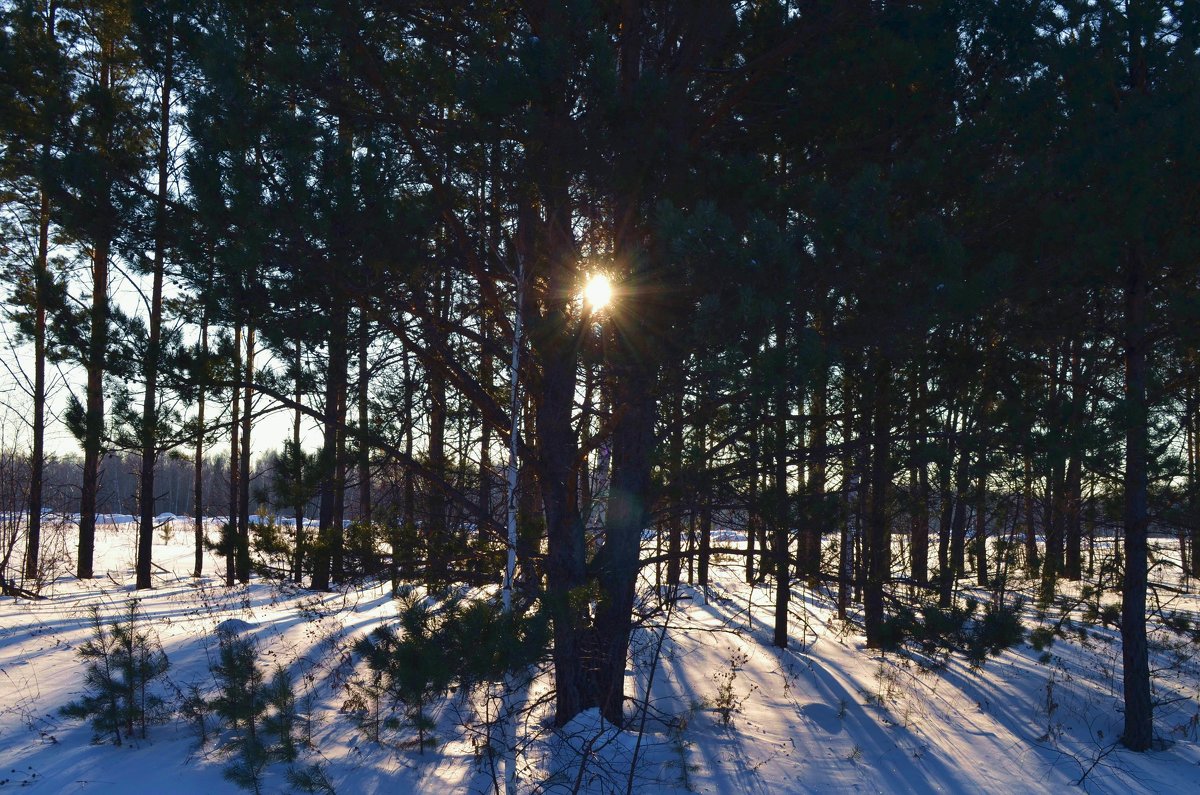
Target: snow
{"x": 825, "y": 715}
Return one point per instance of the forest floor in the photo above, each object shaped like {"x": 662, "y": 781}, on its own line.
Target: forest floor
{"x": 726, "y": 713}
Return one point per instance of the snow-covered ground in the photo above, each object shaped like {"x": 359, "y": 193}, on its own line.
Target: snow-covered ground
{"x": 727, "y": 713}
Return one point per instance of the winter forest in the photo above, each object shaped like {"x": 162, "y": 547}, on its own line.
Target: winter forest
{"x": 598, "y": 396}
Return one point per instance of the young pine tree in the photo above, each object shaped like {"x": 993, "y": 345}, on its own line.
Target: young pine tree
{"x": 124, "y": 661}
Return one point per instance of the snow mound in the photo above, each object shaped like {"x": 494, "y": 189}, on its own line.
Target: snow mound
{"x": 234, "y": 626}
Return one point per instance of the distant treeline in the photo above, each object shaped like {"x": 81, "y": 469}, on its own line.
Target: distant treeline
{"x": 174, "y": 484}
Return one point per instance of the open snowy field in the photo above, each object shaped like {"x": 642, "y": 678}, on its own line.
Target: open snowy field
{"x": 727, "y": 713}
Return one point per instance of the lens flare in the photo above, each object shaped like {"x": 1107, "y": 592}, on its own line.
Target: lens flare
{"x": 597, "y": 292}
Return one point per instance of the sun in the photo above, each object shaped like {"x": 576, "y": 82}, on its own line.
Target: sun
{"x": 597, "y": 292}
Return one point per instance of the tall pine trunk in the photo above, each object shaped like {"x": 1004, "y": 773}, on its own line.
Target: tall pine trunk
{"x": 781, "y": 517}
{"x": 752, "y": 507}
{"x": 298, "y": 473}
{"x": 41, "y": 280}
{"x": 675, "y": 515}
{"x": 1138, "y": 731}
{"x": 876, "y": 547}
{"x": 94, "y": 411}
{"x": 153, "y": 353}
{"x": 243, "y": 520}
{"x": 335, "y": 371}
{"x": 705, "y": 488}
{"x": 198, "y": 474}
{"x": 231, "y": 529}
{"x": 97, "y": 350}
{"x": 486, "y": 380}
{"x": 1073, "y": 485}
{"x": 981, "y": 565}
{"x": 337, "y": 558}
{"x": 628, "y": 513}
{"x": 920, "y": 485}
{"x": 809, "y": 566}
{"x": 365, "y": 504}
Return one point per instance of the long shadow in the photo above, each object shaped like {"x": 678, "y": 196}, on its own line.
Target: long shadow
{"x": 886, "y": 751}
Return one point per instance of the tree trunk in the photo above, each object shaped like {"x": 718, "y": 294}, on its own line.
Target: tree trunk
{"x": 552, "y": 337}
{"x": 436, "y": 538}
{"x": 408, "y": 507}
{"x": 153, "y": 353}
{"x": 877, "y": 549}
{"x": 364, "y": 407}
{"x": 781, "y": 517}
{"x": 198, "y": 481}
{"x": 565, "y": 561}
{"x": 981, "y": 558}
{"x": 41, "y": 280}
{"x": 920, "y": 525}
{"x": 947, "y": 501}
{"x": 1139, "y": 727}
{"x": 1056, "y": 504}
{"x": 585, "y": 438}
{"x": 299, "y": 476}
{"x": 850, "y": 485}
{"x": 675, "y": 518}
{"x": 752, "y": 507}
{"x": 1074, "y": 478}
{"x": 231, "y": 529}
{"x": 628, "y": 512}
{"x": 243, "y": 522}
{"x": 322, "y": 552}
{"x": 338, "y": 555}
{"x": 94, "y": 416}
{"x": 810, "y": 565}
{"x": 1188, "y": 529}
{"x": 486, "y": 380}
{"x": 705, "y": 488}
{"x": 94, "y": 365}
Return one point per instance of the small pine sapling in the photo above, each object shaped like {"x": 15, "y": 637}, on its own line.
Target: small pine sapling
{"x": 124, "y": 661}
{"x": 311, "y": 778}
{"x": 145, "y": 662}
{"x": 279, "y": 723}
{"x": 101, "y": 702}
{"x": 241, "y": 701}
{"x": 195, "y": 709}
{"x": 246, "y": 769}
{"x": 262, "y": 712}
{"x": 415, "y": 665}
{"x": 241, "y": 698}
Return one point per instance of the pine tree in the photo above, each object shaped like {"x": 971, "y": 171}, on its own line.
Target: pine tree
{"x": 103, "y": 157}
{"x": 36, "y": 104}
{"x": 241, "y": 696}
{"x": 124, "y": 663}
{"x": 156, "y": 29}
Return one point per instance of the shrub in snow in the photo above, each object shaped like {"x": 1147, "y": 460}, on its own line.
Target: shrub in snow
{"x": 273, "y": 552}
{"x": 241, "y": 698}
{"x": 938, "y": 632}
{"x": 279, "y": 723}
{"x": 261, "y": 712}
{"x": 437, "y": 645}
{"x": 225, "y": 543}
{"x": 194, "y": 708}
{"x": 310, "y": 779}
{"x": 123, "y": 663}
{"x": 726, "y": 702}
{"x": 410, "y": 668}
